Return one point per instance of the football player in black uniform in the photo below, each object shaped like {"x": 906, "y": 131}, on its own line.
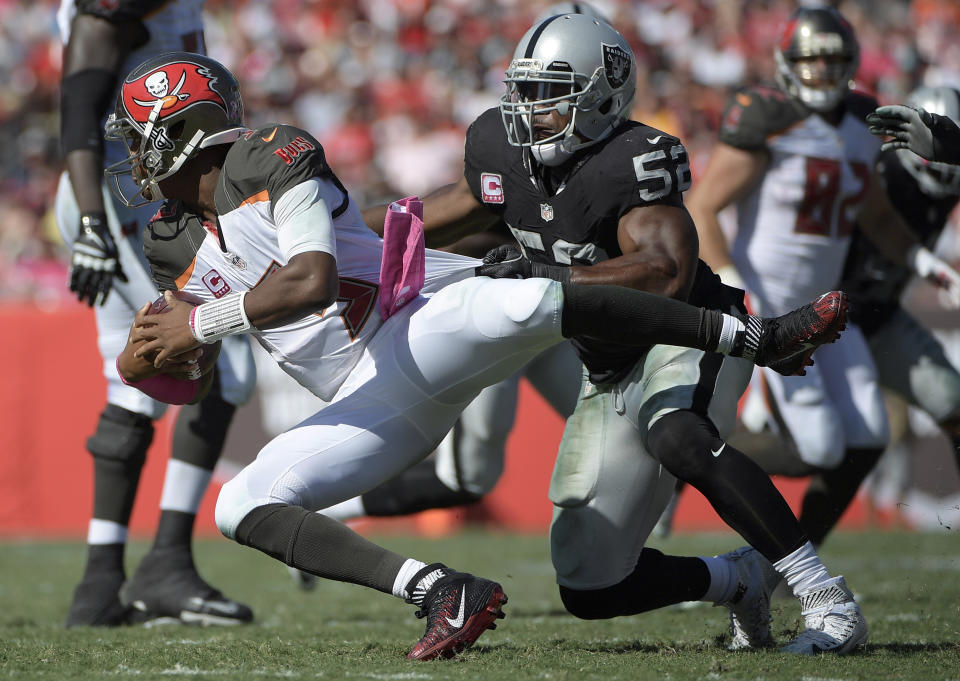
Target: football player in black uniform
{"x": 910, "y": 361}
{"x": 593, "y": 198}
{"x": 108, "y": 272}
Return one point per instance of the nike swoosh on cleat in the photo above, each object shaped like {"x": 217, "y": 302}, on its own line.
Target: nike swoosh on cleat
{"x": 269, "y": 138}
{"x": 717, "y": 453}
{"x": 458, "y": 622}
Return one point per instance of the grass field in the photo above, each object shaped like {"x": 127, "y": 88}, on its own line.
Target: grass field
{"x": 907, "y": 583}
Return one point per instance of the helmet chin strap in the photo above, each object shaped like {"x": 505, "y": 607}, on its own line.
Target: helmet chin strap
{"x": 551, "y": 153}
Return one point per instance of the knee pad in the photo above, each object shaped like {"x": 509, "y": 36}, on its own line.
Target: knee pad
{"x": 121, "y": 435}
{"x": 201, "y": 430}
{"x": 680, "y": 440}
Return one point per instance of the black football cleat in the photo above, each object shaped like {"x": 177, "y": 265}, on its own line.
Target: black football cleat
{"x": 459, "y": 608}
{"x": 96, "y": 603}
{"x": 160, "y": 594}
{"x": 785, "y": 343}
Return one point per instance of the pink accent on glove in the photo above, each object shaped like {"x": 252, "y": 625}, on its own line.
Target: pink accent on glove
{"x": 402, "y": 267}
{"x": 165, "y": 388}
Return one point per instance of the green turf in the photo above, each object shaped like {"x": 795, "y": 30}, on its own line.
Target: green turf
{"x": 908, "y": 585}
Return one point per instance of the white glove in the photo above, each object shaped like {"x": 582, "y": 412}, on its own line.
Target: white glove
{"x": 935, "y": 270}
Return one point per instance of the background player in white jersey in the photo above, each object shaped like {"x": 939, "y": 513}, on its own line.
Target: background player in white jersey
{"x": 596, "y": 199}
{"x": 797, "y": 161}
{"x": 260, "y": 231}
{"x": 910, "y": 361}
{"x": 109, "y": 273}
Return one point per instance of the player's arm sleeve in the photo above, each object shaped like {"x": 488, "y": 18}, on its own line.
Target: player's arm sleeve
{"x": 303, "y": 218}
{"x": 946, "y": 139}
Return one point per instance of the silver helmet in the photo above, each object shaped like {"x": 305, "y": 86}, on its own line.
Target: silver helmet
{"x": 937, "y": 180}
{"x": 810, "y": 33}
{"x": 573, "y": 64}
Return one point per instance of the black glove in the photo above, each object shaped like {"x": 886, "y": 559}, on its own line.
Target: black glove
{"x": 910, "y": 129}
{"x": 507, "y": 262}
{"x": 94, "y": 262}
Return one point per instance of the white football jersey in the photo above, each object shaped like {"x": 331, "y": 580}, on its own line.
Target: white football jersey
{"x": 205, "y": 262}
{"x": 794, "y": 226}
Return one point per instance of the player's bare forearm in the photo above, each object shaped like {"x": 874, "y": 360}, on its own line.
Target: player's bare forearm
{"x": 84, "y": 168}
{"x": 881, "y": 223}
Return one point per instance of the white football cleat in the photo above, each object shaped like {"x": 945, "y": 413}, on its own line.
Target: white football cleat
{"x": 834, "y": 621}
{"x": 750, "y": 605}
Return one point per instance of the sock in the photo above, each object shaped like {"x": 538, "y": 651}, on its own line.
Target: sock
{"x": 723, "y": 580}
{"x": 183, "y": 486}
{"x": 802, "y": 569}
{"x": 423, "y": 580}
{"x": 101, "y": 531}
{"x": 104, "y": 558}
{"x": 406, "y": 573}
{"x": 175, "y": 530}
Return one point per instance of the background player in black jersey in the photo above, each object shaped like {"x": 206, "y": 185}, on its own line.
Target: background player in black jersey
{"x": 109, "y": 272}
{"x": 593, "y": 198}
{"x": 929, "y": 134}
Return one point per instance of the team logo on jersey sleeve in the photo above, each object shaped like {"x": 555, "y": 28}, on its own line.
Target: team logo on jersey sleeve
{"x": 491, "y": 187}
{"x": 546, "y": 212}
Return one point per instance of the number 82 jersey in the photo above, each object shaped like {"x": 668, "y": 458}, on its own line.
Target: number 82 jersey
{"x": 577, "y": 223}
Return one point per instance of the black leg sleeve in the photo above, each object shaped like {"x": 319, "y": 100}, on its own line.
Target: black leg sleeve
{"x": 739, "y": 491}
{"x": 119, "y": 448}
{"x": 831, "y": 491}
{"x": 201, "y": 430}
{"x": 623, "y": 315}
{"x": 319, "y": 545}
{"x": 657, "y": 581}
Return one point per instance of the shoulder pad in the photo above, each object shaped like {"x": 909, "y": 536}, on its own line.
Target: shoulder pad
{"x": 270, "y": 159}
{"x": 638, "y": 165}
{"x": 756, "y": 113}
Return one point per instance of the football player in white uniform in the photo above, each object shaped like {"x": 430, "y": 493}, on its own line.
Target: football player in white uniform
{"x": 108, "y": 272}
{"x": 797, "y": 161}
{"x": 259, "y": 231}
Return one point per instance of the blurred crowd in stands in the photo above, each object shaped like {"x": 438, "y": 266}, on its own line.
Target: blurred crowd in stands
{"x": 389, "y": 86}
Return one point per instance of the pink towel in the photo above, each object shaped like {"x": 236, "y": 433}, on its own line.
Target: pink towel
{"x": 402, "y": 266}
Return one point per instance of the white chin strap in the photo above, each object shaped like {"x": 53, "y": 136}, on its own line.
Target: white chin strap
{"x": 551, "y": 153}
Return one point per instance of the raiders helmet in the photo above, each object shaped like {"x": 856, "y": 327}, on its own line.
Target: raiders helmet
{"x": 575, "y": 64}
{"x": 817, "y": 32}
{"x": 937, "y": 180}
{"x": 168, "y": 108}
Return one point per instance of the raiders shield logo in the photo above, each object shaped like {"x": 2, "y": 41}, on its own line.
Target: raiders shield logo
{"x": 616, "y": 64}
{"x": 546, "y": 212}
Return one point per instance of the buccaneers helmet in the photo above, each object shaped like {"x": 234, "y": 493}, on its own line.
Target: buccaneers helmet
{"x": 937, "y": 180}
{"x": 573, "y": 64}
{"x": 812, "y": 33}
{"x": 168, "y": 108}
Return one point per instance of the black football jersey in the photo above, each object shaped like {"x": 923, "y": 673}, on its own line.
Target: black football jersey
{"x": 573, "y": 220}
{"x": 874, "y": 282}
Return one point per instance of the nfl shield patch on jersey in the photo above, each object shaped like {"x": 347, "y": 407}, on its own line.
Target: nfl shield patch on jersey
{"x": 546, "y": 212}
